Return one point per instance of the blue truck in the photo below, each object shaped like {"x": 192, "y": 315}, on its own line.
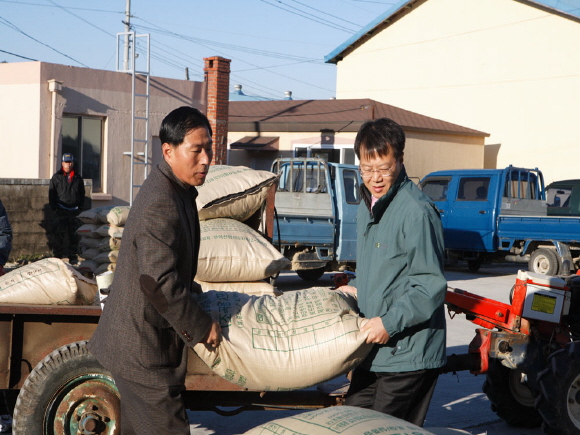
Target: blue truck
{"x": 315, "y": 219}
{"x": 495, "y": 215}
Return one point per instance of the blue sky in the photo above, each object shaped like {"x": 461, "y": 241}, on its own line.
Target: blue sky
{"x": 274, "y": 45}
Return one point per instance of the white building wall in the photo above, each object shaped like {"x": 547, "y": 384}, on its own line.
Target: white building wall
{"x": 498, "y": 66}
{"x": 19, "y": 151}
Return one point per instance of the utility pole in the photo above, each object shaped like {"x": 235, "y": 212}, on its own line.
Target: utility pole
{"x": 127, "y": 23}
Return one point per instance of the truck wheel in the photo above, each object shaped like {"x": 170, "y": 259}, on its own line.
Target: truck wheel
{"x": 544, "y": 261}
{"x": 510, "y": 398}
{"x": 310, "y": 274}
{"x": 559, "y": 400}
{"x": 473, "y": 265}
{"x": 68, "y": 392}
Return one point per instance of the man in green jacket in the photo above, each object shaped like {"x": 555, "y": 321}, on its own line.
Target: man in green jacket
{"x": 400, "y": 282}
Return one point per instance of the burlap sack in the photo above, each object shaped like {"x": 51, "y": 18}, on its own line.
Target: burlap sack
{"x": 231, "y": 251}
{"x": 88, "y": 231}
{"x": 293, "y": 341}
{"x": 87, "y": 266}
{"x": 109, "y": 244}
{"x": 115, "y": 216}
{"x": 257, "y": 288}
{"x": 234, "y": 192}
{"x": 48, "y": 282}
{"x": 106, "y": 257}
{"x": 88, "y": 253}
{"x": 92, "y": 216}
{"x": 89, "y": 242}
{"x": 105, "y": 267}
{"x": 108, "y": 230}
{"x": 343, "y": 420}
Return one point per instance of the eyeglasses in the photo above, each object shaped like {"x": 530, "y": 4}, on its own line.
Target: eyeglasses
{"x": 385, "y": 172}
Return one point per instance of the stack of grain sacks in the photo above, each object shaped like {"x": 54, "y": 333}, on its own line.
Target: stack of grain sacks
{"x": 101, "y": 234}
{"x": 234, "y": 255}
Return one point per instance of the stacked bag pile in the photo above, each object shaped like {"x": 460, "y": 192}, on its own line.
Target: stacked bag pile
{"x": 101, "y": 234}
{"x": 265, "y": 335}
{"x": 234, "y": 255}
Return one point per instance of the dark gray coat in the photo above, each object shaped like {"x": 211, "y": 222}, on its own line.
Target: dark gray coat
{"x": 151, "y": 312}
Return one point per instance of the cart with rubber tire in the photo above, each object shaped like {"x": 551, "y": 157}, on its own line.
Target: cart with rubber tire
{"x": 529, "y": 351}
{"x": 52, "y": 385}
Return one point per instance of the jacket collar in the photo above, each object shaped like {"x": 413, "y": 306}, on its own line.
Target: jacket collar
{"x": 381, "y": 205}
{"x": 168, "y": 172}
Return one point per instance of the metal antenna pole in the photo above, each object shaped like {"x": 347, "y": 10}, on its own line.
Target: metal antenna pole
{"x": 127, "y": 23}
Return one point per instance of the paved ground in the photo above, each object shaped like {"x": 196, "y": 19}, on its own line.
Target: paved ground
{"x": 458, "y": 401}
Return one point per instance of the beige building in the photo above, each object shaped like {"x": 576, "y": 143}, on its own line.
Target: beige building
{"x": 260, "y": 131}
{"x": 507, "y": 67}
{"x": 48, "y": 109}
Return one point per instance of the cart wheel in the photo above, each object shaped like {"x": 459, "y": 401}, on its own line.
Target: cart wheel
{"x": 510, "y": 398}
{"x": 544, "y": 261}
{"x": 68, "y": 392}
{"x": 310, "y": 274}
{"x": 559, "y": 399}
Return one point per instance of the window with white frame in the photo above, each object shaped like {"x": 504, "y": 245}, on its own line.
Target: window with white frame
{"x": 83, "y": 137}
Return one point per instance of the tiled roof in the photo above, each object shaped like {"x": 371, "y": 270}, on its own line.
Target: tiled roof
{"x": 337, "y": 115}
{"x": 566, "y": 8}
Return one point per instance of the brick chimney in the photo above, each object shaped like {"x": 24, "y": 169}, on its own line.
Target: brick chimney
{"x": 217, "y": 80}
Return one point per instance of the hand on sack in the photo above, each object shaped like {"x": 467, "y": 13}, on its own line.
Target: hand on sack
{"x": 347, "y": 288}
{"x": 214, "y": 336}
{"x": 377, "y": 334}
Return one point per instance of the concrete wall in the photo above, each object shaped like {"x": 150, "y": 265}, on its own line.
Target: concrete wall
{"x": 499, "y": 66}
{"x": 30, "y": 216}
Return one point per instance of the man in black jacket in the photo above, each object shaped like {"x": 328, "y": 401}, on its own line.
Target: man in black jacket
{"x": 66, "y": 196}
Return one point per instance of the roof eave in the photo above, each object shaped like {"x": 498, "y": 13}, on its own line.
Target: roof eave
{"x": 337, "y": 54}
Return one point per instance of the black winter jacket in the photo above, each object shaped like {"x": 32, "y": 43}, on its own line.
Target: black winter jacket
{"x": 65, "y": 195}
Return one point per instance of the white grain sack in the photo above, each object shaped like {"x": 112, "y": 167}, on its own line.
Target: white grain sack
{"x": 48, "y": 282}
{"x": 293, "y": 341}
{"x": 231, "y": 251}
{"x": 115, "y": 216}
{"x": 257, "y": 288}
{"x": 234, "y": 192}
{"x": 343, "y": 420}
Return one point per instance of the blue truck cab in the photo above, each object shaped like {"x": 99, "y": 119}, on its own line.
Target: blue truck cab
{"x": 491, "y": 215}
{"x": 315, "y": 219}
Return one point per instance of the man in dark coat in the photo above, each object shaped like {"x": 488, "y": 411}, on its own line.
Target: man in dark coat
{"x": 66, "y": 196}
{"x": 151, "y": 312}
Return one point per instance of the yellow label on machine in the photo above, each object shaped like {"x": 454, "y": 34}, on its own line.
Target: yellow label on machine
{"x": 543, "y": 303}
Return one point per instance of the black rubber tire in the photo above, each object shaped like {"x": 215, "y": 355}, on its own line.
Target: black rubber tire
{"x": 473, "y": 265}
{"x": 68, "y": 389}
{"x": 503, "y": 393}
{"x": 310, "y": 274}
{"x": 559, "y": 399}
{"x": 544, "y": 261}
{"x": 8, "y": 401}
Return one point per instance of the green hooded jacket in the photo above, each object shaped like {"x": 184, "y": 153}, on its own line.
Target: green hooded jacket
{"x": 399, "y": 277}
